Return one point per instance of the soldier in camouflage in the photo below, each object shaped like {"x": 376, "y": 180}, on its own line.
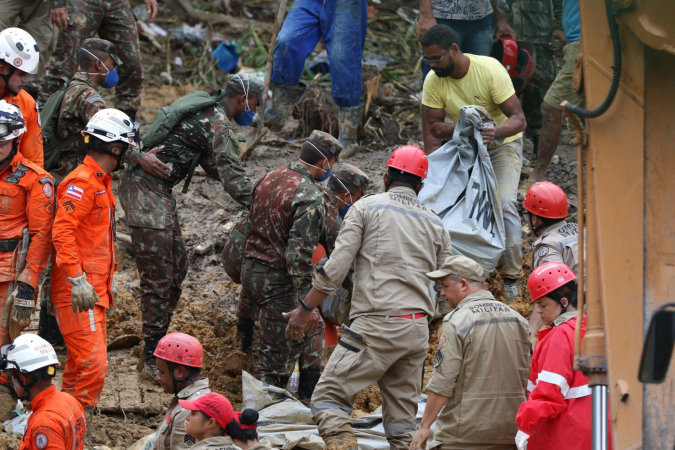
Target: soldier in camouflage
{"x": 81, "y": 101}
{"x": 538, "y": 22}
{"x": 287, "y": 217}
{"x": 114, "y": 21}
{"x": 145, "y": 194}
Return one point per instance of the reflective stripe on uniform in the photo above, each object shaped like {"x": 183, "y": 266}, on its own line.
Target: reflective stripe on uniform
{"x": 399, "y": 428}
{"x": 92, "y": 323}
{"x": 323, "y": 406}
{"x": 560, "y": 381}
{"x": 405, "y": 211}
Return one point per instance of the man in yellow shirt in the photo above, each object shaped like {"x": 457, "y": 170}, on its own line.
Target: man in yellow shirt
{"x": 460, "y": 79}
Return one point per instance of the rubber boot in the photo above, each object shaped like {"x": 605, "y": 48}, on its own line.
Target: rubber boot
{"x": 308, "y": 380}
{"x": 349, "y": 117}
{"x": 245, "y": 335}
{"x": 89, "y": 418}
{"x": 150, "y": 361}
{"x": 284, "y": 97}
{"x": 343, "y": 440}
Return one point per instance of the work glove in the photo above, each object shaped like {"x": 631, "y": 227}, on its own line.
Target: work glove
{"x": 521, "y": 440}
{"x": 113, "y": 292}
{"x": 83, "y": 294}
{"x": 23, "y": 300}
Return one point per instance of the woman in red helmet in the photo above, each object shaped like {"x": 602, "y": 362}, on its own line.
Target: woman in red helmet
{"x": 557, "y": 413}
{"x": 180, "y": 358}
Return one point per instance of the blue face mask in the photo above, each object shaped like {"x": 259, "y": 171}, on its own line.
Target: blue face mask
{"x": 326, "y": 173}
{"x": 345, "y": 210}
{"x": 245, "y": 119}
{"x": 111, "y": 77}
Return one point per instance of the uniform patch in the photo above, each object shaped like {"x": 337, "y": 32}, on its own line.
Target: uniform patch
{"x": 74, "y": 192}
{"x": 542, "y": 252}
{"x": 438, "y": 358}
{"x": 189, "y": 440}
{"x": 12, "y": 179}
{"x": 44, "y": 180}
{"x": 443, "y": 341}
{"x": 69, "y": 207}
{"x": 24, "y": 168}
{"x": 49, "y": 208}
{"x": 47, "y": 190}
{"x": 41, "y": 441}
{"x": 94, "y": 99}
{"x": 19, "y": 173}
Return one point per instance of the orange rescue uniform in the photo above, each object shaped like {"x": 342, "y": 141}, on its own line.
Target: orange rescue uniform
{"x": 30, "y": 142}
{"x": 57, "y": 423}
{"x": 83, "y": 237}
{"x": 26, "y": 201}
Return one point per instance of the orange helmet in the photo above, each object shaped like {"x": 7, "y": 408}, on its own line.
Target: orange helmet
{"x": 180, "y": 348}
{"x": 410, "y": 159}
{"x": 547, "y": 278}
{"x": 517, "y": 58}
{"x": 546, "y": 199}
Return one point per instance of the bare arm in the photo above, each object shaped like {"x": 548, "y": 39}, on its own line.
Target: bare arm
{"x": 435, "y": 402}
{"x": 514, "y": 124}
{"x": 437, "y": 125}
{"x": 427, "y": 19}
{"x": 503, "y": 27}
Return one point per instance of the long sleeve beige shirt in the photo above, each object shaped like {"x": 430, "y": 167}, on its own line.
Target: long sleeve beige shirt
{"x": 394, "y": 240}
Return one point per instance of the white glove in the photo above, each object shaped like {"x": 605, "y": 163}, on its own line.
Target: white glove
{"x": 83, "y": 294}
{"x": 521, "y": 440}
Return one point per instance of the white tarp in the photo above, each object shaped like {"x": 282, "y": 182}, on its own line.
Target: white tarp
{"x": 461, "y": 188}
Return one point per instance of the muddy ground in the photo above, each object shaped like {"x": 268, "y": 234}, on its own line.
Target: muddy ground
{"x": 132, "y": 405}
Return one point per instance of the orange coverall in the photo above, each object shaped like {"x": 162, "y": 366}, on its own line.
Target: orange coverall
{"x": 26, "y": 201}
{"x": 83, "y": 237}
{"x": 30, "y": 142}
{"x": 57, "y": 423}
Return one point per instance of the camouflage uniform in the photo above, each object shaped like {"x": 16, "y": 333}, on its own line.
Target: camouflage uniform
{"x": 534, "y": 21}
{"x": 80, "y": 102}
{"x": 287, "y": 216}
{"x": 114, "y": 21}
{"x": 150, "y": 207}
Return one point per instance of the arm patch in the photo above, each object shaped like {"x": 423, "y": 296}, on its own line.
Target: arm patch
{"x": 94, "y": 99}
{"x": 44, "y": 180}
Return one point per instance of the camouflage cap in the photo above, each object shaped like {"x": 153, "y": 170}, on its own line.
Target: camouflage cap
{"x": 326, "y": 142}
{"x": 353, "y": 175}
{"x": 101, "y": 45}
{"x": 251, "y": 84}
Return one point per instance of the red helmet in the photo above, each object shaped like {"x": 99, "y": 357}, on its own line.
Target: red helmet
{"x": 180, "y": 348}
{"x": 518, "y": 58}
{"x": 547, "y": 278}
{"x": 546, "y": 199}
{"x": 410, "y": 159}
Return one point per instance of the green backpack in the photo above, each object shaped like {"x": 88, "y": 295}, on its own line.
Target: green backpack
{"x": 49, "y": 117}
{"x": 169, "y": 116}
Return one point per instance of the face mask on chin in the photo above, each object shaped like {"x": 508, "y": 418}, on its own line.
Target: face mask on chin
{"x": 246, "y": 118}
{"x": 345, "y": 209}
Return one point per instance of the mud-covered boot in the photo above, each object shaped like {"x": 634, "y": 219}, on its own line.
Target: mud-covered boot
{"x": 284, "y": 97}
{"x": 308, "y": 381}
{"x": 150, "y": 362}
{"x": 343, "y": 440}
{"x": 349, "y": 118}
{"x": 245, "y": 335}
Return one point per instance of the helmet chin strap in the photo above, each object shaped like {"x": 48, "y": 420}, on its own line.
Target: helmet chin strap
{"x": 176, "y": 381}
{"x": 535, "y": 230}
{"x": 15, "y": 146}
{"x": 6, "y": 78}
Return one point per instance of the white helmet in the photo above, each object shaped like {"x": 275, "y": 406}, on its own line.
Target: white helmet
{"x": 28, "y": 353}
{"x": 111, "y": 125}
{"x": 11, "y": 121}
{"x": 19, "y": 49}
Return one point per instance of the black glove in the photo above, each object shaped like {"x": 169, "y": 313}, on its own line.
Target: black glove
{"x": 24, "y": 303}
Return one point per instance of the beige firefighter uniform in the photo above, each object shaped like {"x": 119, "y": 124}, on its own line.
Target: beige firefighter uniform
{"x": 171, "y": 434}
{"x": 394, "y": 240}
{"x": 558, "y": 243}
{"x": 481, "y": 365}
{"x": 216, "y": 443}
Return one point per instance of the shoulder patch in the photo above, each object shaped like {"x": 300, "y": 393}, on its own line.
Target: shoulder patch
{"x": 74, "y": 192}
{"x": 44, "y": 180}
{"x": 94, "y": 99}
{"x": 47, "y": 190}
{"x": 41, "y": 441}
{"x": 443, "y": 341}
{"x": 542, "y": 252}
{"x": 22, "y": 167}
{"x": 189, "y": 440}
{"x": 12, "y": 179}
{"x": 69, "y": 207}
{"x": 438, "y": 358}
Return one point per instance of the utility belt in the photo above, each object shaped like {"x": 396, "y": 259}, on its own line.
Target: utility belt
{"x": 258, "y": 267}
{"x": 9, "y": 245}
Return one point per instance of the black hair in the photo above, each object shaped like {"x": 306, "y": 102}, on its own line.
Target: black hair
{"x": 547, "y": 222}
{"x": 310, "y": 154}
{"x": 87, "y": 61}
{"x": 413, "y": 181}
{"x": 95, "y": 144}
{"x": 568, "y": 291}
{"x": 248, "y": 417}
{"x": 233, "y": 90}
{"x": 441, "y": 35}
{"x": 336, "y": 187}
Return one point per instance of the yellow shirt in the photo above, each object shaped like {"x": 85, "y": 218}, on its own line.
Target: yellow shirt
{"x": 486, "y": 84}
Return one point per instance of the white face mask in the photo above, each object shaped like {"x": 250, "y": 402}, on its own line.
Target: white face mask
{"x": 326, "y": 173}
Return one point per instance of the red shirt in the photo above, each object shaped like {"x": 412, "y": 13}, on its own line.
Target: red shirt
{"x": 57, "y": 422}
